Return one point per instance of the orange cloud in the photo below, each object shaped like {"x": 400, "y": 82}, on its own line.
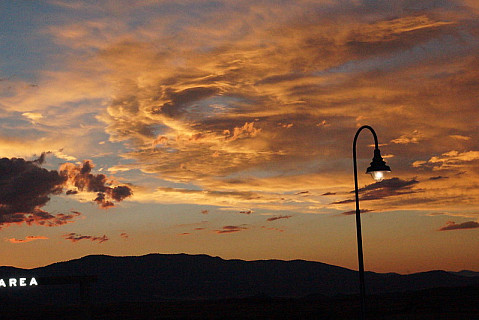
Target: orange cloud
{"x": 203, "y": 107}
{"x": 81, "y": 178}
{"x": 413, "y": 137}
{"x": 450, "y": 160}
{"x": 27, "y": 239}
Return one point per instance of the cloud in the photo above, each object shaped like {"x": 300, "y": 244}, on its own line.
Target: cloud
{"x": 221, "y": 117}
{"x": 460, "y": 137}
{"x": 18, "y": 146}
{"x": 353, "y": 212}
{"x": 387, "y": 188}
{"x": 272, "y": 229}
{"x": 343, "y": 201}
{"x": 278, "y": 218}
{"x": 231, "y": 229}
{"x": 450, "y": 160}
{"x": 453, "y": 214}
{"x": 384, "y": 189}
{"x": 75, "y": 237}
{"x": 438, "y": 178}
{"x": 195, "y": 96}
{"x": 27, "y": 239}
{"x": 25, "y": 189}
{"x": 451, "y": 225}
{"x": 302, "y": 192}
{"x": 210, "y": 197}
{"x": 33, "y": 116}
{"x": 414, "y": 137}
{"x": 81, "y": 178}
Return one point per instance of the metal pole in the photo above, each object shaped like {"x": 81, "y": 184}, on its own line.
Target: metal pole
{"x": 362, "y": 288}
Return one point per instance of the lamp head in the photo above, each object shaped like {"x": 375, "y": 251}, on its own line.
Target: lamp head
{"x": 378, "y": 167}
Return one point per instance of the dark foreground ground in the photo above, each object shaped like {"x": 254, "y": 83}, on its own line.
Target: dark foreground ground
{"x": 440, "y": 303}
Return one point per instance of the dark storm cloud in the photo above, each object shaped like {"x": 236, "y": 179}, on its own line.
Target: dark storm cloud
{"x": 25, "y": 188}
{"x": 120, "y": 192}
{"x": 75, "y": 237}
{"x": 451, "y": 225}
{"x": 80, "y": 177}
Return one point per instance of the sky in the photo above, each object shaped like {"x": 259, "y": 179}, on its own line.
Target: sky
{"x": 226, "y": 128}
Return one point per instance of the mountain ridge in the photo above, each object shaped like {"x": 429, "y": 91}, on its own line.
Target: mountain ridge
{"x": 153, "y": 277}
{"x": 465, "y": 272}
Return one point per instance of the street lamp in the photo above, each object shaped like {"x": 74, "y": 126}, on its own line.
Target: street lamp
{"x": 377, "y": 170}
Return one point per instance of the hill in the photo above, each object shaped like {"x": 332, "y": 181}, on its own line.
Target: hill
{"x": 159, "y": 277}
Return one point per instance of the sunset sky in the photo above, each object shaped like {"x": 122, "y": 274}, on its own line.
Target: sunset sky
{"x": 226, "y": 128}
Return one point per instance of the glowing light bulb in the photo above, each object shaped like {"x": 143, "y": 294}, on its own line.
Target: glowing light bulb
{"x": 378, "y": 175}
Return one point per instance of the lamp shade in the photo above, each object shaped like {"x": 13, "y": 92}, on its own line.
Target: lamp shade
{"x": 378, "y": 167}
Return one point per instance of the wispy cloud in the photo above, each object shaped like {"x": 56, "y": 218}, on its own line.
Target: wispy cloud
{"x": 386, "y": 188}
{"x": 27, "y": 239}
{"x": 272, "y": 229}
{"x": 348, "y": 213}
{"x": 75, "y": 237}
{"x": 414, "y": 137}
{"x": 451, "y": 225}
{"x": 278, "y": 218}
{"x": 231, "y": 229}
{"x": 450, "y": 160}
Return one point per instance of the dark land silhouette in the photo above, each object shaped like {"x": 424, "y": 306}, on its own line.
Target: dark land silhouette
{"x": 181, "y": 286}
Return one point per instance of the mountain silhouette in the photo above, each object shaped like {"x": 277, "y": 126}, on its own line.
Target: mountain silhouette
{"x": 158, "y": 277}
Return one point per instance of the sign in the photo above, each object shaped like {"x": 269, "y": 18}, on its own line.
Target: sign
{"x": 18, "y": 282}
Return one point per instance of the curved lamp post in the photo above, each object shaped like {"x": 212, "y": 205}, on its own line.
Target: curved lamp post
{"x": 377, "y": 170}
